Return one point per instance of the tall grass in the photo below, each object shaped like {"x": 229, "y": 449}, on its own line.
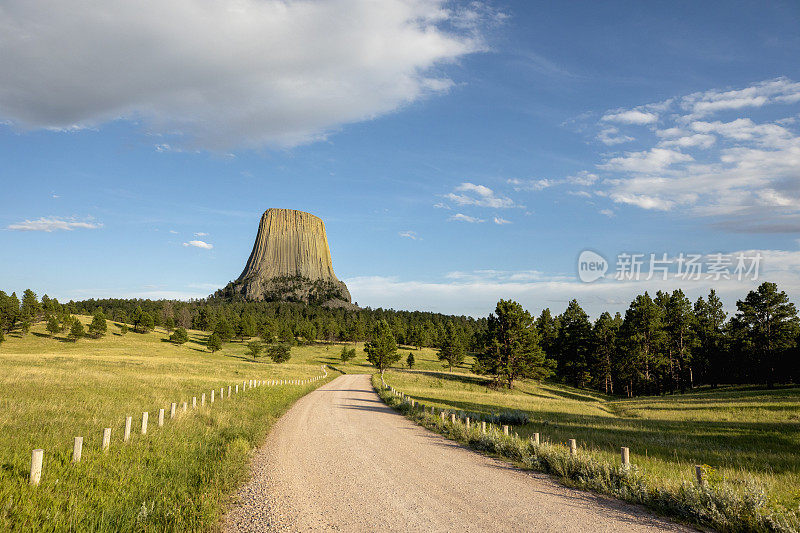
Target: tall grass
{"x": 743, "y": 502}
{"x": 177, "y": 477}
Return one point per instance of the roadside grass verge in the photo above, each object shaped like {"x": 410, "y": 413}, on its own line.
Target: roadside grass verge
{"x": 177, "y": 477}
{"x": 740, "y": 503}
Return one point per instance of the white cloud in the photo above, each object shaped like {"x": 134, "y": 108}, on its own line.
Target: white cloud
{"x": 651, "y": 161}
{"x": 460, "y": 217}
{"x": 583, "y": 178}
{"x": 441, "y": 205}
{"x": 631, "y": 116}
{"x": 199, "y": 244}
{"x": 50, "y": 224}
{"x": 699, "y": 140}
{"x": 476, "y": 293}
{"x": 607, "y": 212}
{"x": 530, "y": 185}
{"x": 201, "y": 234}
{"x": 410, "y": 235}
{"x": 780, "y": 90}
{"x": 500, "y": 221}
{"x": 173, "y": 232}
{"x": 611, "y": 136}
{"x": 742, "y": 173}
{"x": 217, "y": 74}
{"x": 478, "y": 195}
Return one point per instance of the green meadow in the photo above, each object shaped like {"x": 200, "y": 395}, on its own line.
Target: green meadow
{"x": 176, "y": 477}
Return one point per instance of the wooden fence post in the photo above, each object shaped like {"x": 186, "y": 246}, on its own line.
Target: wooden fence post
{"x": 441, "y": 415}
{"x": 505, "y": 430}
{"x": 212, "y": 396}
{"x": 126, "y": 435}
{"x": 229, "y": 391}
{"x": 172, "y": 408}
{"x": 698, "y": 472}
{"x": 106, "y": 438}
{"x": 36, "y": 466}
{"x": 626, "y": 457}
{"x": 145, "y": 416}
{"x": 535, "y": 439}
{"x": 160, "y": 417}
{"x": 483, "y": 427}
{"x": 194, "y": 402}
{"x": 203, "y": 399}
{"x": 466, "y": 421}
{"x": 185, "y": 407}
{"x": 573, "y": 447}
{"x": 77, "y": 448}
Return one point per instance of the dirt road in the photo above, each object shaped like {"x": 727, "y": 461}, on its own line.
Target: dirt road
{"x": 341, "y": 460}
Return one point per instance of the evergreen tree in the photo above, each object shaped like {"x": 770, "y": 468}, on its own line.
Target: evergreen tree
{"x": 98, "y": 327}
{"x": 52, "y": 325}
{"x": 279, "y": 353}
{"x": 123, "y": 329}
{"x": 512, "y": 351}
{"x": 643, "y": 333}
{"x": 223, "y": 330}
{"x": 680, "y": 339}
{"x": 169, "y": 324}
{"x": 452, "y": 350}
{"x": 214, "y": 342}
{"x": 770, "y": 326}
{"x": 709, "y": 324}
{"x": 136, "y": 317}
{"x": 254, "y": 348}
{"x": 146, "y": 322}
{"x": 604, "y": 351}
{"x": 30, "y": 306}
{"x": 347, "y": 354}
{"x": 548, "y": 325}
{"x": 574, "y": 337}
{"x": 76, "y": 331}
{"x": 410, "y": 360}
{"x": 180, "y": 336}
{"x": 382, "y": 349}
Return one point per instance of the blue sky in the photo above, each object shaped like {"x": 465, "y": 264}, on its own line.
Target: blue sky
{"x": 458, "y": 152}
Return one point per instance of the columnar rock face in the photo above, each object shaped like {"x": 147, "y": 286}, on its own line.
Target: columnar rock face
{"x": 290, "y": 261}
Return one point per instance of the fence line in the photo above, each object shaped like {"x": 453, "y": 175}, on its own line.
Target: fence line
{"x": 37, "y": 456}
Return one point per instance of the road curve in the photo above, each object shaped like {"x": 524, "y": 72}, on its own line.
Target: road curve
{"x": 341, "y": 460}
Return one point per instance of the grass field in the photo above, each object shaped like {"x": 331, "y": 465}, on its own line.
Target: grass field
{"x": 745, "y": 435}
{"x": 178, "y": 477}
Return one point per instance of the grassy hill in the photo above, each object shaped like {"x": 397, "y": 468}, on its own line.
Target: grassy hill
{"x": 176, "y": 477}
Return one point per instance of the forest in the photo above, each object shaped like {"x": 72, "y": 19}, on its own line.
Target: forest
{"x": 661, "y": 344}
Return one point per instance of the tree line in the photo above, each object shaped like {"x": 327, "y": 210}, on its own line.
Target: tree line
{"x": 661, "y": 344}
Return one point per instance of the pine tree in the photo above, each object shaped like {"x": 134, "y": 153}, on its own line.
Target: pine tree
{"x": 604, "y": 351}
{"x": 347, "y": 354}
{"x": 709, "y": 324}
{"x": 643, "y": 333}
{"x": 451, "y": 349}
{"x": 410, "y": 360}
{"x": 179, "y": 337}
{"x": 214, "y": 343}
{"x": 770, "y": 325}
{"x": 254, "y": 348}
{"x": 76, "y": 331}
{"x": 98, "y": 327}
{"x": 146, "y": 322}
{"x": 52, "y": 325}
{"x": 512, "y": 350}
{"x": 574, "y": 337}
{"x": 30, "y": 306}
{"x": 382, "y": 349}
{"x": 679, "y": 328}
{"x": 279, "y": 353}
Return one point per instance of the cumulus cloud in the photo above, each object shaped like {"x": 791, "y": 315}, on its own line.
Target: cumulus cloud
{"x": 199, "y": 244}
{"x": 611, "y": 136}
{"x": 500, "y": 221}
{"x": 631, "y": 116}
{"x": 478, "y": 195}
{"x": 51, "y": 224}
{"x": 219, "y": 74}
{"x": 460, "y": 217}
{"x": 742, "y": 173}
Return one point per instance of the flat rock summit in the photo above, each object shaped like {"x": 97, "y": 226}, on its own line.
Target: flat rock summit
{"x": 290, "y": 261}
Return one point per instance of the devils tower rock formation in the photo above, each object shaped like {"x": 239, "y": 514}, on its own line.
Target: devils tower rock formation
{"x": 290, "y": 261}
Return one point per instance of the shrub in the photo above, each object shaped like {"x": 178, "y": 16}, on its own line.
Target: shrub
{"x": 279, "y": 353}
{"x": 347, "y": 354}
{"x": 180, "y": 336}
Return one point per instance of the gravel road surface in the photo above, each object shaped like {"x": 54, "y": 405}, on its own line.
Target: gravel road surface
{"x": 340, "y": 460}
